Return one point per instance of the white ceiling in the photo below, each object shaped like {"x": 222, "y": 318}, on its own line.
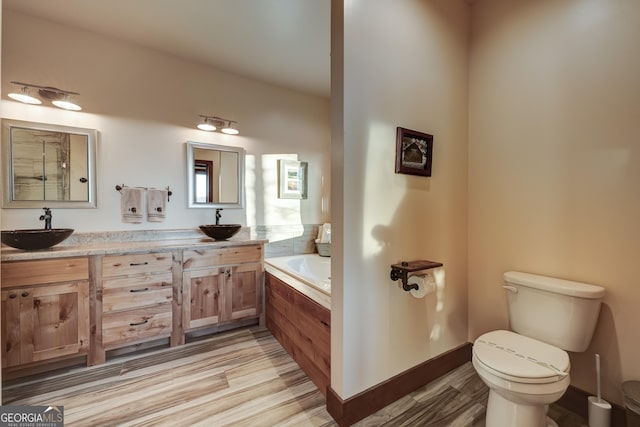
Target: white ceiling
{"x": 283, "y": 42}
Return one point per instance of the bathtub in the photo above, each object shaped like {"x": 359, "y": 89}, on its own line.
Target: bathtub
{"x": 309, "y": 274}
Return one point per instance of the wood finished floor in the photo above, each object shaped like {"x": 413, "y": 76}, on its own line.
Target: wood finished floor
{"x": 237, "y": 378}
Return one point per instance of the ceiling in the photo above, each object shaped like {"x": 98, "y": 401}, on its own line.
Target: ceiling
{"x": 282, "y": 42}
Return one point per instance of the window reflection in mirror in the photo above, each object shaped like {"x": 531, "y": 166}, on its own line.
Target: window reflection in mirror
{"x": 204, "y": 180}
{"x": 48, "y": 163}
{"x": 216, "y": 175}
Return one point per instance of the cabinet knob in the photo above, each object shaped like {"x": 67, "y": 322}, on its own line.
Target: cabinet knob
{"x": 12, "y": 296}
{"x": 25, "y": 294}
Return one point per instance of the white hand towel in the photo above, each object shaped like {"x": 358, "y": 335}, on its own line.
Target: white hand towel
{"x": 326, "y": 233}
{"x": 131, "y": 204}
{"x": 156, "y": 205}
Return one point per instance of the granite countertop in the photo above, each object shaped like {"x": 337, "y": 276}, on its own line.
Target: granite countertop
{"x": 101, "y": 246}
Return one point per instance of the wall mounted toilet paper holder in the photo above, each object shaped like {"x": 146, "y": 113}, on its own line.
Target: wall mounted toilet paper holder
{"x": 402, "y": 270}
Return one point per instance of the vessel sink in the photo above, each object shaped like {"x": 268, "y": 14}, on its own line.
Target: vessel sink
{"x": 31, "y": 240}
{"x": 220, "y": 231}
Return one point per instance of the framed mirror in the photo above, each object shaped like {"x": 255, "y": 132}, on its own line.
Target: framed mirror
{"x": 215, "y": 176}
{"x": 48, "y": 165}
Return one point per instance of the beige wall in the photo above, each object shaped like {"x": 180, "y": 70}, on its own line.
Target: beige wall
{"x": 145, "y": 104}
{"x": 554, "y": 164}
{"x": 404, "y": 65}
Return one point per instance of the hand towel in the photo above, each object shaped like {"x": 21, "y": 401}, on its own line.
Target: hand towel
{"x": 131, "y": 204}
{"x": 325, "y": 236}
{"x": 156, "y": 204}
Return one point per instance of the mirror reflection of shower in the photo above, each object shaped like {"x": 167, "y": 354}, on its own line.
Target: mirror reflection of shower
{"x": 41, "y": 165}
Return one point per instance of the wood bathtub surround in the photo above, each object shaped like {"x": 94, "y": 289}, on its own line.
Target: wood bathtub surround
{"x": 302, "y": 326}
{"x": 71, "y": 305}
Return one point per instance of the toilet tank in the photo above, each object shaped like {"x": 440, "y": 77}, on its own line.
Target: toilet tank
{"x": 556, "y": 311}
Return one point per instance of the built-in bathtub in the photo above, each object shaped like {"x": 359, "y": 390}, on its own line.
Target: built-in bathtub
{"x": 297, "y": 311}
{"x": 309, "y": 274}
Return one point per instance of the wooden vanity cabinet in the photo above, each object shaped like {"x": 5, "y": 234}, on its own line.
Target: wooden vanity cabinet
{"x": 45, "y": 310}
{"x": 137, "y": 294}
{"x": 61, "y": 308}
{"x": 221, "y": 285}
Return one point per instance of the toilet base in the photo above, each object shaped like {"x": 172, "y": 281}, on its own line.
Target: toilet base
{"x": 505, "y": 413}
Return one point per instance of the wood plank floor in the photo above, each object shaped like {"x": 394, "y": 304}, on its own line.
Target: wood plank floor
{"x": 237, "y": 378}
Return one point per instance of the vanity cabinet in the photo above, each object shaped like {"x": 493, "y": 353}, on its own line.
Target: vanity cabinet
{"x": 62, "y": 308}
{"x": 137, "y": 294}
{"x": 221, "y": 285}
{"x": 45, "y": 310}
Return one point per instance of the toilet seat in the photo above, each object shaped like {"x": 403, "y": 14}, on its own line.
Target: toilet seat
{"x": 520, "y": 359}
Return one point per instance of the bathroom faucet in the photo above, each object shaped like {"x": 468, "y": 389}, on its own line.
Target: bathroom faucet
{"x": 47, "y": 218}
{"x": 218, "y": 216}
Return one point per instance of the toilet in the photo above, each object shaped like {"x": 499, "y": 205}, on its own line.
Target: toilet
{"x": 527, "y": 368}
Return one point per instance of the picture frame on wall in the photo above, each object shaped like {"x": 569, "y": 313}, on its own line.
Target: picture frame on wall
{"x": 292, "y": 179}
{"x": 413, "y": 152}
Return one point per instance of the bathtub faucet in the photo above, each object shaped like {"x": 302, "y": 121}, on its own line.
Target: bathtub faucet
{"x": 218, "y": 216}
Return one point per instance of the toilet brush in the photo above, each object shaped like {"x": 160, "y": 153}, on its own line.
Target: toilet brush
{"x": 599, "y": 409}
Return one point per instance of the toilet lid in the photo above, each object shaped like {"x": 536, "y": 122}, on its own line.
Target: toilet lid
{"x": 518, "y": 356}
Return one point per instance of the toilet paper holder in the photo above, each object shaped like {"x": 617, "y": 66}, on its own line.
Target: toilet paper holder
{"x": 402, "y": 270}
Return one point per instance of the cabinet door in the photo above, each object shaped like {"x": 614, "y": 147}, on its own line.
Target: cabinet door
{"x": 202, "y": 297}
{"x": 45, "y": 322}
{"x": 243, "y": 291}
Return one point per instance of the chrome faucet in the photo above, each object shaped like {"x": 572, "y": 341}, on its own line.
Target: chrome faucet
{"x": 47, "y": 218}
{"x": 218, "y": 216}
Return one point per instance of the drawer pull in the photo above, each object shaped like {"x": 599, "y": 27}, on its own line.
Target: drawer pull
{"x": 139, "y": 323}
{"x": 12, "y": 296}
{"x": 25, "y": 294}
{"x": 133, "y": 264}
{"x": 139, "y": 290}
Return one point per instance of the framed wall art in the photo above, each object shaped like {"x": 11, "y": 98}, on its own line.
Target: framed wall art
{"x": 413, "y": 152}
{"x": 292, "y": 179}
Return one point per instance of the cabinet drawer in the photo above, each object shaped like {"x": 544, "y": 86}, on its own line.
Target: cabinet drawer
{"x": 209, "y": 257}
{"x": 135, "y": 325}
{"x": 125, "y": 293}
{"x": 127, "y": 265}
{"x": 20, "y": 273}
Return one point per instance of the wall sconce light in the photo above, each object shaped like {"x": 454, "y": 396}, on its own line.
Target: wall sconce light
{"x": 24, "y": 96}
{"x": 213, "y": 123}
{"x": 207, "y": 124}
{"x": 58, "y": 97}
{"x": 229, "y": 129}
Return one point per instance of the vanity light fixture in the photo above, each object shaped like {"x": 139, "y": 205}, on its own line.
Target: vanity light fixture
{"x": 66, "y": 104}
{"x": 207, "y": 124}
{"x": 213, "y": 123}
{"x": 24, "y": 96}
{"x": 229, "y": 129}
{"x": 59, "y": 97}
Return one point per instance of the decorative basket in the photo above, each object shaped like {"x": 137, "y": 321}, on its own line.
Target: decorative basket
{"x": 324, "y": 249}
